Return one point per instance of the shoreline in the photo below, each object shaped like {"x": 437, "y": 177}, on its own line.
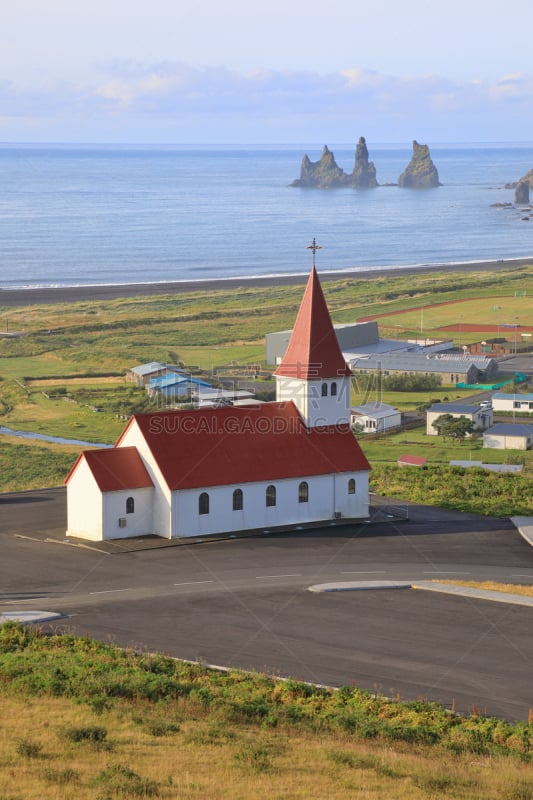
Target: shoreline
{"x": 64, "y": 294}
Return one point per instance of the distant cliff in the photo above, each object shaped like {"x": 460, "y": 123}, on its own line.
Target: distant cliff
{"x": 326, "y": 174}
{"x": 421, "y": 172}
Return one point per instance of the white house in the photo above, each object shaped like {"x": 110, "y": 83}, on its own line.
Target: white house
{"x": 481, "y": 416}
{"x": 509, "y": 436}
{"x": 512, "y": 402}
{"x": 216, "y": 470}
{"x": 375, "y": 417}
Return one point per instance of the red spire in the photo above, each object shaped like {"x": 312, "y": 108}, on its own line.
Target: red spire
{"x": 313, "y": 350}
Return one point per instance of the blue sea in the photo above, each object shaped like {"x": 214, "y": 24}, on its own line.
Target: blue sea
{"x": 97, "y": 214}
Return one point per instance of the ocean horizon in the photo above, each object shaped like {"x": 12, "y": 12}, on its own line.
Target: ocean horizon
{"x": 90, "y": 215}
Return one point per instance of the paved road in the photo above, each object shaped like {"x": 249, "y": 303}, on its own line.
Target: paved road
{"x": 244, "y": 602}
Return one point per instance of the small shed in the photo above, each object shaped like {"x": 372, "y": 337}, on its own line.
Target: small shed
{"x": 509, "y": 436}
{"x": 411, "y": 461}
{"x": 221, "y": 397}
{"x": 375, "y": 417}
{"x": 143, "y": 373}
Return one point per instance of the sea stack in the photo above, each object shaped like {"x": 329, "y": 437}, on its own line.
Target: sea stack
{"x": 364, "y": 173}
{"x": 421, "y": 172}
{"x": 521, "y": 193}
{"x": 322, "y": 174}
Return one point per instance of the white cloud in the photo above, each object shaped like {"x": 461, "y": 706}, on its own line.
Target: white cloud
{"x": 287, "y": 105}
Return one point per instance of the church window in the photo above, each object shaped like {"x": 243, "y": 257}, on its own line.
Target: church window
{"x": 203, "y": 503}
{"x": 271, "y": 495}
{"x": 303, "y": 492}
{"x": 324, "y": 390}
{"x": 351, "y": 486}
{"x": 237, "y": 500}
{"x": 334, "y": 389}
{"x": 130, "y": 505}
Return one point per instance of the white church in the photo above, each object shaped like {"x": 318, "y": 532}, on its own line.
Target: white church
{"x": 221, "y": 470}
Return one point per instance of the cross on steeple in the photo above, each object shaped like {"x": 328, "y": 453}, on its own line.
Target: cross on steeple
{"x": 314, "y": 247}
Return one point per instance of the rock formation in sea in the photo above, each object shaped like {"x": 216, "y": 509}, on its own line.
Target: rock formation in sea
{"x": 527, "y": 178}
{"x": 326, "y": 174}
{"x": 322, "y": 174}
{"x": 421, "y": 172}
{"x": 364, "y": 171}
{"x": 521, "y": 193}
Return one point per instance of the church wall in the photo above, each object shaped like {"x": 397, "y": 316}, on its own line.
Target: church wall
{"x": 161, "y": 499}
{"x": 138, "y": 523}
{"x": 327, "y": 494}
{"x": 84, "y": 504}
{"x": 352, "y": 506}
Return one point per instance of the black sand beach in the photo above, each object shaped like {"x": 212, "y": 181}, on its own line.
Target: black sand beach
{"x": 67, "y": 294}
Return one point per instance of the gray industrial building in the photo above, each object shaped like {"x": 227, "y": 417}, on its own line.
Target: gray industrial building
{"x": 451, "y": 368}
{"x": 351, "y": 336}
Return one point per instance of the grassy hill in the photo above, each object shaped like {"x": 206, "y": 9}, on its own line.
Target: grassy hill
{"x": 81, "y": 719}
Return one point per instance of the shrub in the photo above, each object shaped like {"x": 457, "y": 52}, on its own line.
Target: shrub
{"x": 91, "y": 733}
{"x": 119, "y": 781}
{"x": 253, "y": 757}
{"x": 28, "y": 748}
{"x": 62, "y": 776}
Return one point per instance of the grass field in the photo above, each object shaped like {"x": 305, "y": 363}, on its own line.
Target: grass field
{"x": 208, "y": 329}
{"x": 82, "y": 719}
{"x": 496, "y": 313}
{"x": 387, "y": 449}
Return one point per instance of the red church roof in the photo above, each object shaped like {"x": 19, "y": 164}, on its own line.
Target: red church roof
{"x": 115, "y": 468}
{"x": 313, "y": 350}
{"x": 220, "y": 446}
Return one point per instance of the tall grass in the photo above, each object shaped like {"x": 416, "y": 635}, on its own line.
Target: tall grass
{"x": 98, "y": 722}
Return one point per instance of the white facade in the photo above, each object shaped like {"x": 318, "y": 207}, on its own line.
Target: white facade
{"x": 376, "y": 417}
{"x": 513, "y": 402}
{"x": 509, "y": 437}
{"x": 161, "y": 522}
{"x": 96, "y": 515}
{"x": 84, "y": 505}
{"x": 329, "y": 497}
{"x": 320, "y": 402}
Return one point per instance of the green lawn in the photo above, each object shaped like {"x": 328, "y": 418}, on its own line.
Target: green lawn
{"x": 209, "y": 329}
{"x": 388, "y": 448}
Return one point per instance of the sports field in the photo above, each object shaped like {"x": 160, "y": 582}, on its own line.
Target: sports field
{"x": 504, "y": 316}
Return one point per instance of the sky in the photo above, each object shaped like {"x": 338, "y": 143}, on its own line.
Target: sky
{"x": 252, "y": 71}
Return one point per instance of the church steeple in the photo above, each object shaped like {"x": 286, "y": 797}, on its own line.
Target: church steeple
{"x": 313, "y": 372}
{"x": 313, "y": 350}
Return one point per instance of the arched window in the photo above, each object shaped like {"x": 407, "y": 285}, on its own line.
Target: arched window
{"x": 351, "y": 486}
{"x": 271, "y": 496}
{"x": 333, "y": 389}
{"x": 303, "y": 492}
{"x": 324, "y": 390}
{"x": 237, "y": 500}
{"x": 203, "y": 503}
{"x": 130, "y": 505}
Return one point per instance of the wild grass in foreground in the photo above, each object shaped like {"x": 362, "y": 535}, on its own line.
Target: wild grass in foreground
{"x": 80, "y": 719}
{"x": 471, "y": 490}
